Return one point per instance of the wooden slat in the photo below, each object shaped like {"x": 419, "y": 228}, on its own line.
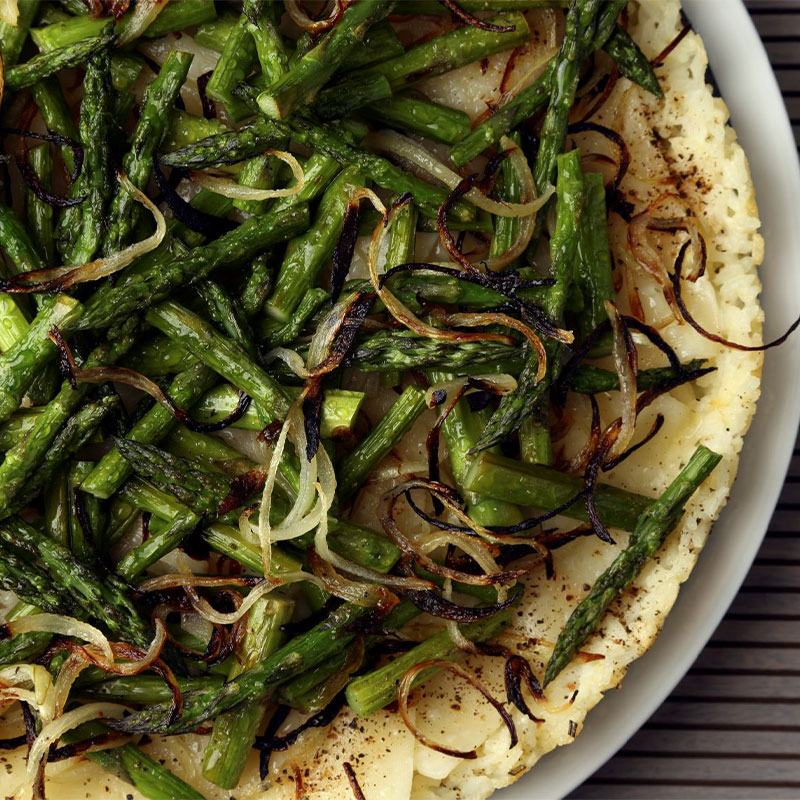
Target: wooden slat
{"x": 731, "y": 728}
{"x": 780, "y": 632}
{"x": 774, "y": 577}
{"x": 755, "y": 661}
{"x": 708, "y": 688}
{"x": 696, "y": 770}
{"x": 765, "y": 604}
{"x": 720, "y": 743}
{"x": 679, "y": 791}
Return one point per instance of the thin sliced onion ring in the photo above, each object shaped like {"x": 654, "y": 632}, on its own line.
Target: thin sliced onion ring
{"x": 53, "y": 731}
{"x": 626, "y": 363}
{"x": 57, "y": 279}
{"x": 229, "y": 188}
{"x": 365, "y": 594}
{"x": 404, "y": 690}
{"x": 144, "y": 12}
{"x": 527, "y": 223}
{"x": 65, "y": 626}
{"x": 405, "y": 148}
{"x": 488, "y": 318}
{"x": 401, "y": 312}
{"x": 416, "y": 551}
{"x": 9, "y": 12}
{"x": 294, "y": 8}
{"x": 371, "y": 576}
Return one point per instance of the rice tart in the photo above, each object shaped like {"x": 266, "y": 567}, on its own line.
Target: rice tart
{"x": 683, "y": 147}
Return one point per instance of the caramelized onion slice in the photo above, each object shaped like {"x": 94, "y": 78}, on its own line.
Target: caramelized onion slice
{"x": 684, "y": 311}
{"x": 404, "y": 690}
{"x": 144, "y": 12}
{"x": 298, "y": 15}
{"x": 626, "y": 363}
{"x": 229, "y": 188}
{"x": 408, "y": 150}
{"x": 53, "y": 731}
{"x": 58, "y": 279}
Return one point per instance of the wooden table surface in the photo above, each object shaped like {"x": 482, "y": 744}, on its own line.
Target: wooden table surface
{"x": 731, "y": 728}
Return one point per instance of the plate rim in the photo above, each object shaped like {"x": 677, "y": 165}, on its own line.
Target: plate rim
{"x": 749, "y": 87}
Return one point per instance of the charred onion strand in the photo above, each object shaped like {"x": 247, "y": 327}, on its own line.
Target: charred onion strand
{"x": 53, "y": 138}
{"x": 207, "y": 224}
{"x": 468, "y": 19}
{"x": 404, "y": 690}
{"x": 129, "y": 377}
{"x": 59, "y": 279}
{"x": 353, "y": 781}
{"x": 623, "y": 154}
{"x": 517, "y": 670}
{"x": 660, "y": 58}
{"x": 298, "y": 14}
{"x": 676, "y": 286}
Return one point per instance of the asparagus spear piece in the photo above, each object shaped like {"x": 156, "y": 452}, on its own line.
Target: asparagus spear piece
{"x": 53, "y": 107}
{"x": 580, "y": 31}
{"x": 308, "y": 254}
{"x": 519, "y": 404}
{"x": 272, "y": 54}
{"x": 17, "y": 243}
{"x": 103, "y": 598}
{"x": 448, "y": 52}
{"x": 151, "y": 280}
{"x": 31, "y": 585}
{"x": 144, "y": 689}
{"x": 13, "y": 37}
{"x": 20, "y": 364}
{"x": 235, "y": 732}
{"x": 357, "y": 465}
{"x": 298, "y": 655}
{"x": 461, "y": 429}
{"x": 227, "y": 147}
{"x": 380, "y": 44}
{"x": 148, "y": 776}
{"x": 421, "y": 116}
{"x": 172, "y": 17}
{"x": 13, "y": 429}
{"x": 363, "y": 90}
{"x": 81, "y": 227}
{"x": 235, "y": 63}
{"x": 588, "y": 379}
{"x": 375, "y": 690}
{"x": 150, "y": 129}
{"x": 299, "y": 84}
{"x": 506, "y": 228}
{"x": 24, "y": 647}
{"x": 651, "y": 530}
{"x": 283, "y": 334}
{"x": 25, "y": 457}
{"x": 46, "y": 64}
{"x": 632, "y": 62}
{"x": 547, "y": 489}
{"x": 221, "y": 354}
{"x": 38, "y": 213}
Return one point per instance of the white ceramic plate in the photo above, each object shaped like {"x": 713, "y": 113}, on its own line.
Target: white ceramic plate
{"x": 748, "y": 86}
